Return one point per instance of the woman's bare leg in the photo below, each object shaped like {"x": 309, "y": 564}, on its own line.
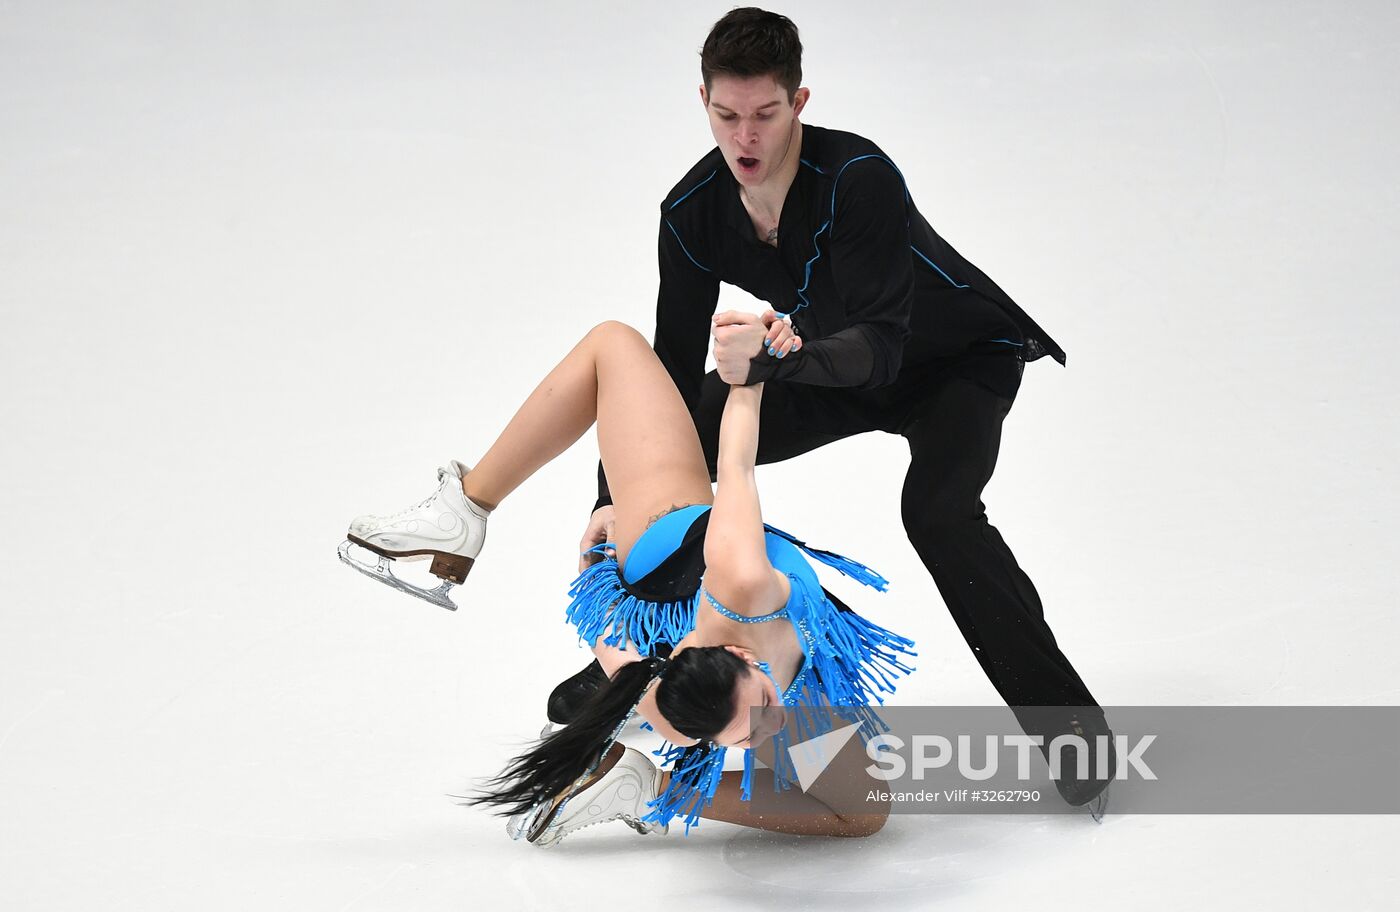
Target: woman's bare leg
{"x": 834, "y": 805}
{"x": 791, "y": 811}
{"x": 650, "y": 449}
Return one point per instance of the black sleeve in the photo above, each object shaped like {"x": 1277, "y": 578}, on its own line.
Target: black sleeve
{"x": 873, "y": 268}
{"x": 685, "y": 301}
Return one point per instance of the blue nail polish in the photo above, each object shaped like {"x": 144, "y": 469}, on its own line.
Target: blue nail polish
{"x": 784, "y": 353}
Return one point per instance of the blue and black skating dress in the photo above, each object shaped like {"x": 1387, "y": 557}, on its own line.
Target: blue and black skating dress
{"x": 848, "y": 661}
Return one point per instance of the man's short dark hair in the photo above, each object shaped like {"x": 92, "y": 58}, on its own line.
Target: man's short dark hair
{"x": 751, "y": 42}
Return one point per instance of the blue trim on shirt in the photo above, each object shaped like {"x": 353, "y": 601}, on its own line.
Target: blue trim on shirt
{"x": 807, "y": 272}
{"x": 935, "y": 266}
{"x": 882, "y": 158}
{"x": 906, "y": 199}
{"x": 682, "y": 243}
{"x": 690, "y": 191}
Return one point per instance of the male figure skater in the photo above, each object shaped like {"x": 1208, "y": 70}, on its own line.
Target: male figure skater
{"x": 897, "y": 332}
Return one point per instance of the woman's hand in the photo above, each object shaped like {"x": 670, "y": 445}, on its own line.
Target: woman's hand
{"x": 781, "y": 339}
{"x": 600, "y": 529}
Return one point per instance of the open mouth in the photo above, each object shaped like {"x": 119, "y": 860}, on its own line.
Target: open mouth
{"x": 748, "y": 164}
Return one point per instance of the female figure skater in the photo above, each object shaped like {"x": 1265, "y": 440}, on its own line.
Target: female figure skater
{"x": 731, "y": 650}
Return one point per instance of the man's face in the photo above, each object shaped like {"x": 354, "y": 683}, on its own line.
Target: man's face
{"x": 753, "y": 124}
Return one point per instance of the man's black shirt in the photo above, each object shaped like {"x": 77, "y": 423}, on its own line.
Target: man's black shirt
{"x": 874, "y": 292}
{"x": 870, "y": 285}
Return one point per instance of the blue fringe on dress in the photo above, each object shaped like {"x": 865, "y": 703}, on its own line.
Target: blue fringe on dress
{"x": 601, "y": 606}
{"x": 844, "y": 565}
{"x": 695, "y": 775}
{"x": 849, "y": 663}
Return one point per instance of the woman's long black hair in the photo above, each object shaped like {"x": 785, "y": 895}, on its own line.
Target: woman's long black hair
{"x": 696, "y": 695}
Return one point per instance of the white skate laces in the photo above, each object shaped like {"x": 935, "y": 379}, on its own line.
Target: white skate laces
{"x": 446, "y": 527}
{"x": 622, "y": 793}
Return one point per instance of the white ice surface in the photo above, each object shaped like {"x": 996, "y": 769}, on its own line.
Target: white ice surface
{"x": 266, "y": 267}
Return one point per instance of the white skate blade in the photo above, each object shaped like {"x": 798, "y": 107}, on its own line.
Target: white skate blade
{"x": 382, "y": 572}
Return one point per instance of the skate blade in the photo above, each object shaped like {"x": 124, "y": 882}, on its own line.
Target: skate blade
{"x": 646, "y": 829}
{"x": 542, "y": 830}
{"x": 383, "y": 572}
{"x": 547, "y": 834}
{"x": 520, "y": 826}
{"x": 530, "y": 825}
{"x": 1099, "y": 806}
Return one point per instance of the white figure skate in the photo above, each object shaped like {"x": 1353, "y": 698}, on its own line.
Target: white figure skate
{"x": 622, "y": 793}
{"x": 447, "y": 527}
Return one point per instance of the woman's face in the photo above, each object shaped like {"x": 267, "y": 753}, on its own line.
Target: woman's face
{"x": 759, "y": 712}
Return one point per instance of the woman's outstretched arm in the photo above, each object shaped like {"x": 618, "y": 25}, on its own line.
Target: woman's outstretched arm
{"x": 737, "y": 571}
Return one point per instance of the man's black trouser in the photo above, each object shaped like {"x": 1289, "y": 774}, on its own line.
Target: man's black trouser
{"x": 951, "y": 415}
